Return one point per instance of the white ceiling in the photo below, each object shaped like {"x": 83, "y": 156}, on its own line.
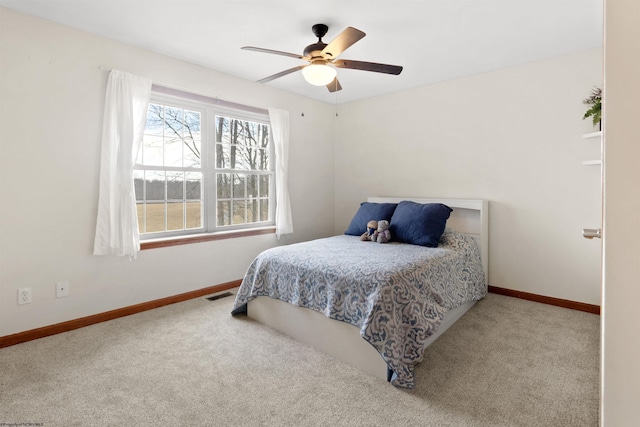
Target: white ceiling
{"x": 434, "y": 40}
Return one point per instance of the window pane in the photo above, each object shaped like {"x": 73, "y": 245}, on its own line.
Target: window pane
{"x": 262, "y": 162}
{"x": 224, "y": 213}
{"x": 222, "y": 129}
{"x": 251, "y": 132}
{"x": 238, "y": 186}
{"x": 235, "y": 133}
{"x": 239, "y": 154}
{"x": 192, "y": 139}
{"x": 152, "y": 150}
{"x": 175, "y": 216}
{"x": 264, "y": 209}
{"x": 155, "y": 217}
{"x": 264, "y": 136}
{"x": 193, "y": 185}
{"x": 140, "y": 212}
{"x": 173, "y": 152}
{"x": 155, "y": 120}
{"x": 138, "y": 184}
{"x": 232, "y": 162}
{"x": 264, "y": 186}
{"x": 194, "y": 214}
{"x": 224, "y": 185}
{"x": 154, "y": 185}
{"x": 242, "y": 157}
{"x": 192, "y": 124}
{"x": 192, "y": 149}
{"x": 252, "y": 185}
{"x": 222, "y": 156}
{"x": 175, "y": 184}
{"x": 248, "y": 144}
{"x": 239, "y": 211}
{"x": 253, "y": 210}
{"x": 173, "y": 120}
{"x": 173, "y": 136}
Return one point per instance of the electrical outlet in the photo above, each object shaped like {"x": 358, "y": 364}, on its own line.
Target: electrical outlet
{"x": 62, "y": 289}
{"x": 24, "y": 296}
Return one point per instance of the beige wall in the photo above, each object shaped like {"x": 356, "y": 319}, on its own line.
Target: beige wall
{"x": 51, "y": 103}
{"x": 511, "y": 136}
{"x": 621, "y": 315}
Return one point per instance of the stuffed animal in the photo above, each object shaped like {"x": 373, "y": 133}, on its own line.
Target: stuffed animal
{"x": 372, "y": 226}
{"x": 382, "y": 234}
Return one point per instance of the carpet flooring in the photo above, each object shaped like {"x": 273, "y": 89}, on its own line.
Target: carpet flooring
{"x": 507, "y": 362}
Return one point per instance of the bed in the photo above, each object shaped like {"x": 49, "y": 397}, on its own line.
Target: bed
{"x": 375, "y": 306}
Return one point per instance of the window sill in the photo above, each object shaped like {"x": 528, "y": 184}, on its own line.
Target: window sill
{"x": 199, "y": 238}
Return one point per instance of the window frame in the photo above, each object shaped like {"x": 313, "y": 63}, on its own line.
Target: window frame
{"x": 209, "y": 192}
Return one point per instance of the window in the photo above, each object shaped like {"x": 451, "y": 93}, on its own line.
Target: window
{"x": 202, "y": 168}
{"x": 243, "y": 175}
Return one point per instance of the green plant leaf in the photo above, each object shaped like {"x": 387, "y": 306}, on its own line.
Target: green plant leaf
{"x": 595, "y": 100}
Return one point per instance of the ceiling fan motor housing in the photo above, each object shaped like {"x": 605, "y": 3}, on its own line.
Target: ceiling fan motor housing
{"x": 314, "y": 50}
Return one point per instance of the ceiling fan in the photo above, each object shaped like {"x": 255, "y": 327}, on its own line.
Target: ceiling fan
{"x": 322, "y": 60}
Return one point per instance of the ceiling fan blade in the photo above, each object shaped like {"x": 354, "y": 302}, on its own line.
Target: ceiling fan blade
{"x": 281, "y": 73}
{"x": 275, "y": 52}
{"x": 342, "y": 42}
{"x": 368, "y": 66}
{"x": 334, "y": 86}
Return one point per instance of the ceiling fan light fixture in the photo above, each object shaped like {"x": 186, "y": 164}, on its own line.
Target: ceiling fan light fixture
{"x": 319, "y": 74}
{"x": 322, "y": 58}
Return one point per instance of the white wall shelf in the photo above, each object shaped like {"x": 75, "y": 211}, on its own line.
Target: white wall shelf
{"x": 597, "y": 134}
{"x": 592, "y": 135}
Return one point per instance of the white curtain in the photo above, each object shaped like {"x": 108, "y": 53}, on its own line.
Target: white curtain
{"x": 125, "y": 112}
{"x": 280, "y": 134}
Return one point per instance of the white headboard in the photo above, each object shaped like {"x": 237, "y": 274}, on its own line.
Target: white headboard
{"x": 469, "y": 217}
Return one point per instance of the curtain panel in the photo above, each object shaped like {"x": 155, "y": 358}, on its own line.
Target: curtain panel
{"x": 125, "y": 112}
{"x": 280, "y": 134}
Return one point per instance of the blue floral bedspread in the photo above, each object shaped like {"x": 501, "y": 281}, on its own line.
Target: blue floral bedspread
{"x": 396, "y": 293}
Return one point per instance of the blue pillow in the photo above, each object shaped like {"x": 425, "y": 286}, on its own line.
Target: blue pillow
{"x": 367, "y": 212}
{"x": 419, "y": 224}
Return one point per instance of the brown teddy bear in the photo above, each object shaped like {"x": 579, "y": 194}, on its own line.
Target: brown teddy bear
{"x": 372, "y": 227}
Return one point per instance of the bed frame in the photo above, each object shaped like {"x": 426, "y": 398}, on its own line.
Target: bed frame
{"x": 342, "y": 340}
